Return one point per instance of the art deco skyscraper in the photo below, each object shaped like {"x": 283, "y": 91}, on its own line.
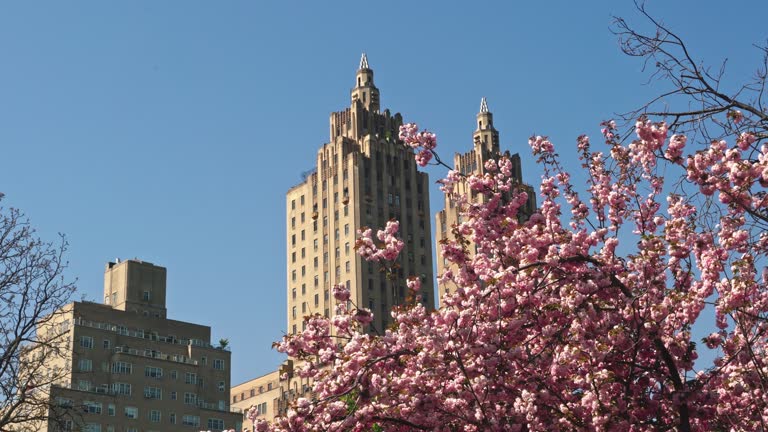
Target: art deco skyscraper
{"x": 363, "y": 178}
{"x": 486, "y": 146}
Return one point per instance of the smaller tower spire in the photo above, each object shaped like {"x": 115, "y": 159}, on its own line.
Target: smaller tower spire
{"x": 483, "y": 104}
{"x": 365, "y": 91}
{"x": 486, "y": 135}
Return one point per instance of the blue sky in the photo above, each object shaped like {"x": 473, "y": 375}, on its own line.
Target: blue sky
{"x": 170, "y": 131}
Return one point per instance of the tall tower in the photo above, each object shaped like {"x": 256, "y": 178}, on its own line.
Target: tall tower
{"x": 364, "y": 177}
{"x": 486, "y": 146}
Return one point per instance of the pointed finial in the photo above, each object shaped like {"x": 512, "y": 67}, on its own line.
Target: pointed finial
{"x": 483, "y": 105}
{"x": 364, "y": 62}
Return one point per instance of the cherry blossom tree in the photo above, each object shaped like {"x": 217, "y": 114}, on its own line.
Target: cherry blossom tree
{"x": 578, "y": 318}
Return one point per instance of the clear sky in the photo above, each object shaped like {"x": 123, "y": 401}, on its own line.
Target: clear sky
{"x": 170, "y": 130}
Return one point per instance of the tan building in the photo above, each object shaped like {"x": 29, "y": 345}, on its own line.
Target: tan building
{"x": 269, "y": 394}
{"x": 486, "y": 146}
{"x": 364, "y": 177}
{"x": 128, "y": 368}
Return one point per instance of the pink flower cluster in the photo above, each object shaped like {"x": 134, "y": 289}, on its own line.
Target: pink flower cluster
{"x": 423, "y": 142}
{"x": 388, "y": 246}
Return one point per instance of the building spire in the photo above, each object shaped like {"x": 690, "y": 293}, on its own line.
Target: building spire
{"x": 364, "y": 62}
{"x": 483, "y": 105}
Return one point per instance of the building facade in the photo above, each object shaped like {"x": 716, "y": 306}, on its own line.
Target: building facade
{"x": 128, "y": 368}
{"x": 364, "y": 177}
{"x": 485, "y": 146}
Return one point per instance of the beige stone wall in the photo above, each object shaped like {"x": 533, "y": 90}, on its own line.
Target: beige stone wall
{"x": 263, "y": 392}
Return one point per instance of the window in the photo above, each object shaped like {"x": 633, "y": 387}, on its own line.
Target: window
{"x": 303, "y": 289}
{"x": 153, "y": 372}
{"x": 154, "y": 416}
{"x": 84, "y": 385}
{"x": 317, "y": 281}
{"x": 190, "y": 420}
{"x": 346, "y": 229}
{"x": 92, "y": 407}
{"x": 293, "y": 293}
{"x": 346, "y": 248}
{"x": 106, "y": 344}
{"x": 92, "y": 427}
{"x": 293, "y": 222}
{"x": 85, "y": 365}
{"x": 173, "y": 395}
{"x": 348, "y": 267}
{"x": 172, "y": 418}
{"x": 123, "y": 368}
{"x": 293, "y": 204}
{"x": 215, "y": 424}
{"x": 221, "y": 386}
{"x": 111, "y": 410}
{"x": 293, "y": 256}
{"x": 293, "y": 275}
{"x": 132, "y": 412}
{"x": 293, "y": 312}
{"x": 303, "y": 307}
{"x": 218, "y": 364}
{"x": 174, "y": 374}
{"x": 302, "y": 217}
{"x": 315, "y": 245}
{"x": 190, "y": 398}
{"x": 253, "y": 392}
{"x": 317, "y": 299}
{"x": 190, "y": 378}
{"x": 346, "y": 210}
{"x": 121, "y": 388}
{"x": 303, "y": 252}
{"x": 303, "y": 237}
{"x": 146, "y": 296}
{"x": 316, "y": 262}
{"x": 86, "y": 342}
{"x": 153, "y": 393}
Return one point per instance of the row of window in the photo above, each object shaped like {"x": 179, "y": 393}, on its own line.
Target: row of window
{"x": 154, "y": 417}
{"x": 88, "y": 342}
{"x": 125, "y": 389}
{"x": 252, "y": 393}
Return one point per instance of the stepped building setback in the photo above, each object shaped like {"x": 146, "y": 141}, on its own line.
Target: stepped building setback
{"x": 364, "y": 177}
{"x": 485, "y": 146}
{"x": 128, "y": 368}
